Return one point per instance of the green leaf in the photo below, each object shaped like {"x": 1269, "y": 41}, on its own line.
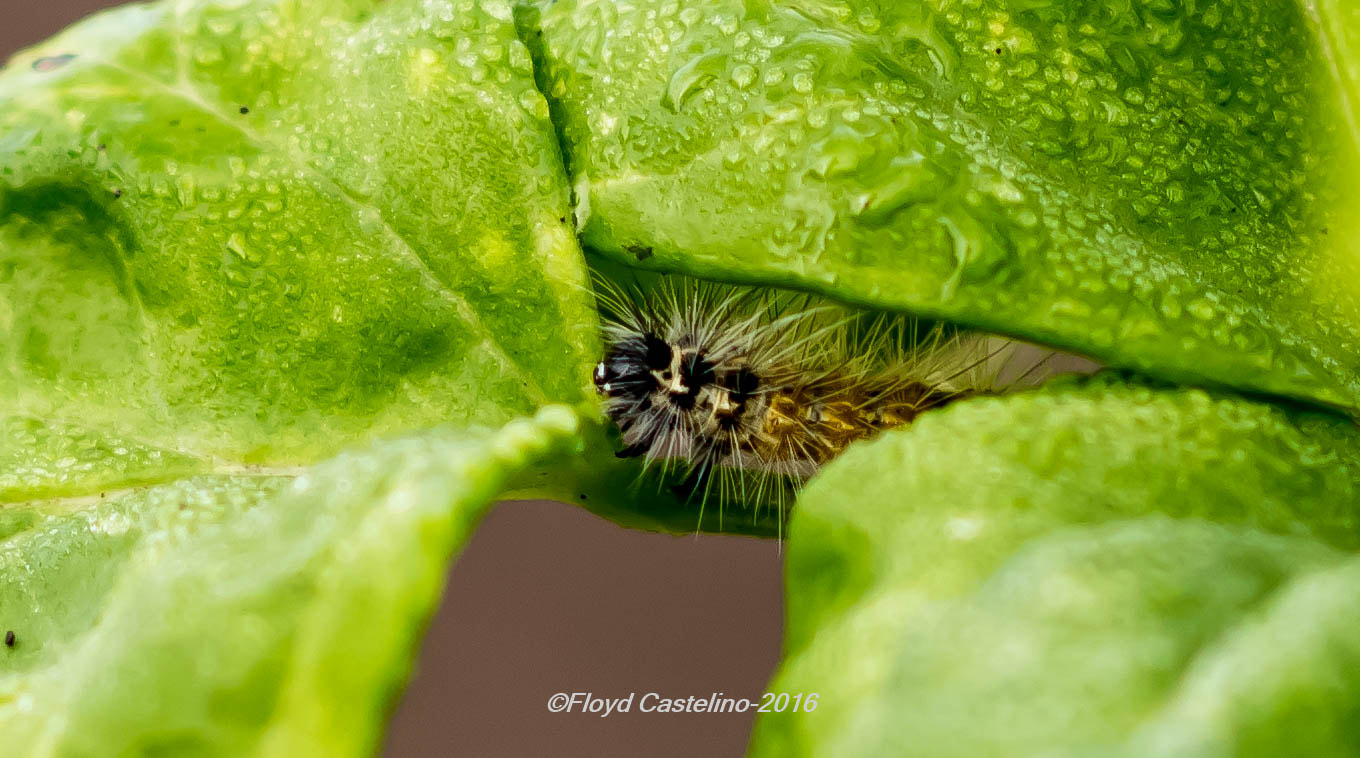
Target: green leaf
{"x": 244, "y": 615}
{"x": 1099, "y": 569}
{"x": 254, "y": 233}
{"x": 238, "y": 236}
{"x": 1168, "y": 187}
{"x": 235, "y": 238}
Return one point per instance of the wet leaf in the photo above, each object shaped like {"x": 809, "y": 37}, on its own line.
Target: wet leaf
{"x": 264, "y": 614}
{"x": 1167, "y": 187}
{"x": 1105, "y": 569}
{"x": 235, "y": 234}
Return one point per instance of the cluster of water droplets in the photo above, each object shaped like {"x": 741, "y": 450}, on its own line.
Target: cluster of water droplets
{"x": 944, "y": 149}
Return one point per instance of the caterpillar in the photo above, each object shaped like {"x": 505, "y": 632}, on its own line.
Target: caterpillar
{"x": 749, "y": 391}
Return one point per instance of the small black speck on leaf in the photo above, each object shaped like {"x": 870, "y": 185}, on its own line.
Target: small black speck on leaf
{"x": 102, "y": 147}
{"x": 117, "y": 194}
{"x": 9, "y": 638}
{"x": 174, "y": 122}
{"x": 583, "y": 496}
{"x": 244, "y": 110}
{"x": 998, "y": 51}
{"x": 563, "y": 219}
{"x": 643, "y": 252}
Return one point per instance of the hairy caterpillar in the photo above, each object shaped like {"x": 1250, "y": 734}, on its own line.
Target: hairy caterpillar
{"x": 749, "y": 391}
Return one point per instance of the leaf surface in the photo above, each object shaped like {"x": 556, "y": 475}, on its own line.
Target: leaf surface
{"x": 1106, "y": 569}
{"x": 244, "y": 615}
{"x": 1167, "y": 187}
{"x": 245, "y": 233}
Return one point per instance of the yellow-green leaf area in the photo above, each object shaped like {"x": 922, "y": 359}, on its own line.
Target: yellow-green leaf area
{"x": 1099, "y": 569}
{"x": 233, "y": 615}
{"x": 255, "y": 233}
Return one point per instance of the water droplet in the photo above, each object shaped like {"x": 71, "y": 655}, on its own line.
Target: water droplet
{"x": 743, "y": 76}
{"x": 52, "y": 62}
{"x": 906, "y": 181}
{"x": 534, "y": 104}
{"x": 1201, "y": 309}
{"x": 1027, "y": 218}
{"x": 250, "y": 255}
{"x": 237, "y": 245}
{"x": 1170, "y": 306}
{"x": 838, "y": 154}
{"x": 692, "y": 77}
{"x": 235, "y": 276}
{"x": 208, "y": 56}
{"x": 520, "y": 59}
{"x": 187, "y": 187}
{"x": 976, "y": 255}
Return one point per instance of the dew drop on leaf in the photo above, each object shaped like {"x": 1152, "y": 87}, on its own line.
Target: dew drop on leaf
{"x": 52, "y": 62}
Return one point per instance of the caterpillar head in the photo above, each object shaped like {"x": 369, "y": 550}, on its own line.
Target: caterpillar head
{"x": 671, "y": 399}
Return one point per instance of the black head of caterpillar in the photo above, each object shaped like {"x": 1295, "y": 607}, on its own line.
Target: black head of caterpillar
{"x": 674, "y": 396}
{"x": 752, "y": 391}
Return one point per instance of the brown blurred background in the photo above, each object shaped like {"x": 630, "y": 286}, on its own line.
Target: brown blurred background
{"x": 548, "y": 598}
